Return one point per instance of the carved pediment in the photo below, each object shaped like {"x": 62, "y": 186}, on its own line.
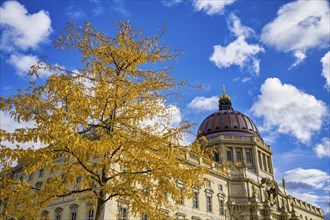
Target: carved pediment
{"x": 221, "y": 195}
{"x": 208, "y": 191}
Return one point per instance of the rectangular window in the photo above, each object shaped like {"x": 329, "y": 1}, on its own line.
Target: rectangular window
{"x": 58, "y": 216}
{"x": 209, "y": 203}
{"x": 248, "y": 156}
{"x": 220, "y": 187}
{"x": 229, "y": 155}
{"x": 41, "y": 172}
{"x": 269, "y": 164}
{"x": 73, "y": 215}
{"x": 123, "y": 213}
{"x": 195, "y": 200}
{"x": 221, "y": 209}
{"x": 216, "y": 156}
{"x": 238, "y": 155}
{"x": 208, "y": 184}
{"x": 90, "y": 214}
{"x": 264, "y": 162}
{"x": 259, "y": 160}
{"x": 181, "y": 198}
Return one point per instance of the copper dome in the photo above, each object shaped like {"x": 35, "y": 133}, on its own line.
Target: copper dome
{"x": 227, "y": 120}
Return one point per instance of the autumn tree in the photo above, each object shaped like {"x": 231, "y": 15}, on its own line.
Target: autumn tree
{"x": 106, "y": 123}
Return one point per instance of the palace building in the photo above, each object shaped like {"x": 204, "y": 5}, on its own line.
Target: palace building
{"x": 246, "y": 191}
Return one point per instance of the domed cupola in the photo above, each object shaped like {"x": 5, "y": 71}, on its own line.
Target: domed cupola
{"x": 227, "y": 121}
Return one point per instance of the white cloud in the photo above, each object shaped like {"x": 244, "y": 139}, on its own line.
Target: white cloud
{"x": 237, "y": 28}
{"x": 243, "y": 80}
{"x": 311, "y": 185}
{"x": 169, "y": 3}
{"x": 239, "y": 52}
{"x": 299, "y": 26}
{"x": 312, "y": 198}
{"x": 22, "y": 30}
{"x": 170, "y": 118}
{"x": 201, "y": 103}
{"x": 326, "y": 68}
{"x": 312, "y": 177}
{"x": 75, "y": 12}
{"x": 288, "y": 110}
{"x": 8, "y": 124}
{"x": 211, "y": 7}
{"x": 323, "y": 149}
{"x": 23, "y": 63}
{"x": 300, "y": 57}
{"x": 119, "y": 6}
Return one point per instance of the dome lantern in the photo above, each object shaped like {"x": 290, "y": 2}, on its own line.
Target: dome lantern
{"x": 224, "y": 100}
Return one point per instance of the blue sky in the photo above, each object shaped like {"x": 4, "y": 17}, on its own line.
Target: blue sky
{"x": 273, "y": 57}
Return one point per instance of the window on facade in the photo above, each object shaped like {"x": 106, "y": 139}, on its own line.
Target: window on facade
{"x": 90, "y": 215}
{"x": 195, "y": 200}
{"x": 229, "y": 155}
{"x": 264, "y": 161}
{"x": 145, "y": 217}
{"x": 73, "y": 210}
{"x": 58, "y": 213}
{"x": 239, "y": 156}
{"x": 78, "y": 180}
{"x": 221, "y": 208}
{"x": 181, "y": 197}
{"x": 209, "y": 203}
{"x": 41, "y": 172}
{"x": 216, "y": 156}
{"x": 30, "y": 177}
{"x": 259, "y": 160}
{"x": 123, "y": 213}
{"x": 208, "y": 184}
{"x": 220, "y": 187}
{"x": 269, "y": 164}
{"x": 58, "y": 216}
{"x": 21, "y": 179}
{"x": 74, "y": 215}
{"x": 44, "y": 215}
{"x": 248, "y": 156}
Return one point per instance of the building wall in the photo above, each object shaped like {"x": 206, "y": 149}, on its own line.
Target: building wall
{"x": 241, "y": 188}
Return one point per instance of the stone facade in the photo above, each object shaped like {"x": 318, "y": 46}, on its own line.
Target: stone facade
{"x": 241, "y": 183}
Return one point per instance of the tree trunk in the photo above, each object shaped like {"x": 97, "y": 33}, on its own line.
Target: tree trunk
{"x": 100, "y": 208}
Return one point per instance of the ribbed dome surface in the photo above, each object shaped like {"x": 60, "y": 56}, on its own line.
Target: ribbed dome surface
{"x": 227, "y": 120}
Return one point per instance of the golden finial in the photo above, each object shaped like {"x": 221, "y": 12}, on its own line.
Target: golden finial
{"x": 224, "y": 93}
{"x": 223, "y": 89}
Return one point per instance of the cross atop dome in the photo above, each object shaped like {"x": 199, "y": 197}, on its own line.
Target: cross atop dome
{"x": 224, "y": 101}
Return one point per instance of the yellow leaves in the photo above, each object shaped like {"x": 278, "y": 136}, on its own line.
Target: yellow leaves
{"x": 89, "y": 121}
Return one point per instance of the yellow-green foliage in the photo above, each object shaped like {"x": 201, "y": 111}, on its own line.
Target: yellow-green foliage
{"x": 94, "y": 119}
